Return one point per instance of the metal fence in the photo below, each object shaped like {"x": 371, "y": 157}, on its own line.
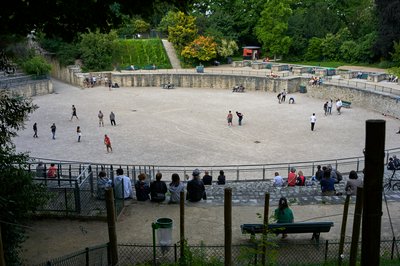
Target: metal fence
{"x": 362, "y": 85}
{"x": 277, "y": 253}
{"x": 251, "y": 172}
{"x": 74, "y": 191}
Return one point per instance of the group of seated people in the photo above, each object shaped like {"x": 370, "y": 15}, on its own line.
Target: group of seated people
{"x": 315, "y": 81}
{"x": 327, "y": 177}
{"x": 238, "y": 88}
{"x": 273, "y": 75}
{"x": 359, "y": 75}
{"x": 156, "y": 191}
{"x": 393, "y": 78}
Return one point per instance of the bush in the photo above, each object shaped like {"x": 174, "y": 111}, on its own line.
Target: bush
{"x": 36, "y": 65}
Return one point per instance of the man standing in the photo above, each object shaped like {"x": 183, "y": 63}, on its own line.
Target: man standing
{"x": 240, "y": 116}
{"x": 330, "y": 106}
{"x": 195, "y": 188}
{"x": 100, "y": 116}
{"x": 74, "y": 113}
{"x": 53, "y": 130}
{"x": 107, "y": 142}
{"x": 283, "y": 96}
{"x": 313, "y": 119}
{"x": 123, "y": 185}
{"x": 339, "y": 106}
{"x": 229, "y": 118}
{"x": 112, "y": 118}
{"x": 35, "y": 130}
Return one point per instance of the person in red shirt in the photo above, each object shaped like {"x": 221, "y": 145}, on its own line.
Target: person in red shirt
{"x": 229, "y": 118}
{"x": 292, "y": 177}
{"x": 301, "y": 180}
{"x": 52, "y": 172}
{"x": 107, "y": 142}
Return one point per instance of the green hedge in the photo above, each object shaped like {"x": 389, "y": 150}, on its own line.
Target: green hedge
{"x": 140, "y": 53}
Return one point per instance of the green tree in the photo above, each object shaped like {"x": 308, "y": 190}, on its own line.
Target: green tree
{"x": 314, "y": 49}
{"x": 227, "y": 48}
{"x": 202, "y": 48}
{"x": 272, "y": 27}
{"x": 396, "y": 53}
{"x": 36, "y": 65}
{"x": 97, "y": 50}
{"x": 19, "y": 195}
{"x": 183, "y": 31}
{"x": 132, "y": 26}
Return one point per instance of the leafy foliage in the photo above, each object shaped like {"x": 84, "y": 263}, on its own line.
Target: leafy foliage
{"x": 183, "y": 31}
{"x": 227, "y": 48}
{"x": 396, "y": 53}
{"x": 97, "y": 49}
{"x": 36, "y": 65}
{"x": 272, "y": 27}
{"x": 202, "y": 48}
{"x": 19, "y": 195}
{"x": 132, "y": 26}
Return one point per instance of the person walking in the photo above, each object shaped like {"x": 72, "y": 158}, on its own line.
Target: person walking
{"x": 79, "y": 133}
{"x": 240, "y": 116}
{"x": 283, "y": 96}
{"x": 53, "y": 130}
{"x": 330, "y": 106}
{"x": 35, "y": 130}
{"x": 339, "y": 105}
{"x": 313, "y": 119}
{"x": 74, "y": 112}
{"x": 100, "y": 116}
{"x": 229, "y": 118}
{"x": 112, "y": 118}
{"x": 326, "y": 108}
{"x": 107, "y": 142}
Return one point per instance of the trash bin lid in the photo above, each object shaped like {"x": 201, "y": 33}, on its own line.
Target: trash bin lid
{"x": 164, "y": 222}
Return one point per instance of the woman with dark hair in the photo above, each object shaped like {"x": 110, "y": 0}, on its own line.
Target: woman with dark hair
{"x": 221, "y": 178}
{"x": 283, "y": 214}
{"x": 175, "y": 188}
{"x": 353, "y": 183}
{"x": 327, "y": 184}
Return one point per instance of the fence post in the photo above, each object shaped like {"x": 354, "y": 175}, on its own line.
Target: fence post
{"x": 58, "y": 175}
{"x": 372, "y": 197}
{"x": 77, "y": 198}
{"x": 66, "y": 200}
{"x": 91, "y": 179}
{"x": 343, "y": 229}
{"x": 175, "y": 253}
{"x": 326, "y": 249}
{"x": 393, "y": 245}
{"x": 87, "y": 256}
{"x": 182, "y": 225}
{"x": 356, "y": 227}
{"x": 70, "y": 174}
{"x": 358, "y": 164}
{"x": 228, "y": 225}
{"x": 112, "y": 233}
{"x": 263, "y": 172}
{"x": 265, "y": 230}
{"x": 237, "y": 173}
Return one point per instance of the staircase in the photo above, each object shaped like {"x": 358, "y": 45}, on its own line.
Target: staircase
{"x": 173, "y": 58}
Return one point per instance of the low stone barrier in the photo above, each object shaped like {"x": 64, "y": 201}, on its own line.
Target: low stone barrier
{"x": 33, "y": 88}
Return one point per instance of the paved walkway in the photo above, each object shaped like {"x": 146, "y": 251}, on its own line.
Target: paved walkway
{"x": 173, "y": 58}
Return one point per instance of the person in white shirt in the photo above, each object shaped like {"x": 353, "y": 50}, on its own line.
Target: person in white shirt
{"x": 313, "y": 119}
{"x": 278, "y": 180}
{"x": 126, "y": 192}
{"x": 339, "y": 106}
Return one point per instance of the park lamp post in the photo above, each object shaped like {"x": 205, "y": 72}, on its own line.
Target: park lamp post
{"x": 164, "y": 235}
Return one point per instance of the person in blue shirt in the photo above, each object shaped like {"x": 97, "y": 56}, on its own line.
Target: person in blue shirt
{"x": 327, "y": 184}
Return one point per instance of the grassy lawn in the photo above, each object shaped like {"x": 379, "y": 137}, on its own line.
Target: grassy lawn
{"x": 141, "y": 53}
{"x": 331, "y": 64}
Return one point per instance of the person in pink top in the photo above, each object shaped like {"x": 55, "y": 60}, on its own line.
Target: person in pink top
{"x": 292, "y": 177}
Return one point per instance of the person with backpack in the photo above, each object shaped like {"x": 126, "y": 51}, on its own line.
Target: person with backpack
{"x": 396, "y": 162}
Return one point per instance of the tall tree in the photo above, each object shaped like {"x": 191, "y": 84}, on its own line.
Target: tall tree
{"x": 183, "y": 31}
{"x": 19, "y": 195}
{"x": 389, "y": 31}
{"x": 272, "y": 26}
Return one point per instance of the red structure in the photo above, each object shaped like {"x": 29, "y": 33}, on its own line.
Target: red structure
{"x": 251, "y": 52}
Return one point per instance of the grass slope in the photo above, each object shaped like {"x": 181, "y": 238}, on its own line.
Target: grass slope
{"x": 141, "y": 53}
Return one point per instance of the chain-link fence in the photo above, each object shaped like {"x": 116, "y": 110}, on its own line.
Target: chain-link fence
{"x": 276, "y": 253}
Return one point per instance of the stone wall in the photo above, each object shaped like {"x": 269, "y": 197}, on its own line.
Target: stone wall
{"x": 217, "y": 81}
{"x": 380, "y": 102}
{"x": 34, "y": 88}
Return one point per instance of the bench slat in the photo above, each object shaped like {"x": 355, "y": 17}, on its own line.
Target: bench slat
{"x": 306, "y": 227}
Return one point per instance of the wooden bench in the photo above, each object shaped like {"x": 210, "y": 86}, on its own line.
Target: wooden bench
{"x": 316, "y": 228}
{"x": 346, "y": 104}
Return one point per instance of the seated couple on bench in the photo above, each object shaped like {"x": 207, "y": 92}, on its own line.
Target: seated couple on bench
{"x": 168, "y": 86}
{"x": 238, "y": 88}
{"x": 285, "y": 224}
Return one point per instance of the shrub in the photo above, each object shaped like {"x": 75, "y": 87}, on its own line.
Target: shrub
{"x": 36, "y": 65}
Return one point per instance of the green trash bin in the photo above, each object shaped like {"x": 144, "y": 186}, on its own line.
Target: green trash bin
{"x": 200, "y": 69}
{"x": 303, "y": 89}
